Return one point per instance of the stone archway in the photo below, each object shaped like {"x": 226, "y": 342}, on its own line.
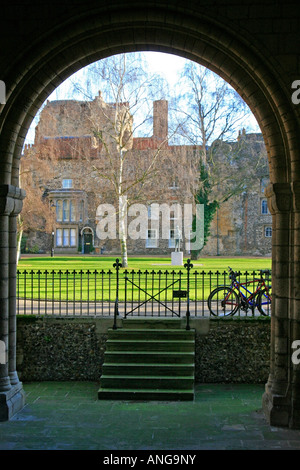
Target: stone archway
{"x": 88, "y": 35}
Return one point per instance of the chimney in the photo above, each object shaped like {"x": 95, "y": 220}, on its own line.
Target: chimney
{"x": 160, "y": 119}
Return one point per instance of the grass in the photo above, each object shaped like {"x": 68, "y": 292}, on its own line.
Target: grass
{"x": 106, "y": 262}
{"x": 46, "y": 277}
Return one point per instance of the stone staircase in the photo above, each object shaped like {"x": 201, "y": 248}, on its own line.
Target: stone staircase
{"x": 149, "y": 359}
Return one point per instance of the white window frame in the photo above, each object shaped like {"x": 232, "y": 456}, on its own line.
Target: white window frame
{"x": 72, "y": 237}
{"x": 263, "y": 184}
{"x": 58, "y": 237}
{"x": 72, "y": 211}
{"x": 264, "y": 207}
{"x": 268, "y": 229}
{"x": 59, "y": 210}
{"x": 66, "y": 237}
{"x": 67, "y": 183}
{"x": 66, "y": 210}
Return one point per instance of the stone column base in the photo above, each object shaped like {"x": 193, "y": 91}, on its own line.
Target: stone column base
{"x": 277, "y": 409}
{"x": 11, "y": 402}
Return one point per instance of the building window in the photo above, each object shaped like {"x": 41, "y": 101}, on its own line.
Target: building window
{"x": 263, "y": 184}
{"x": 268, "y": 232}
{"x": 67, "y": 183}
{"x": 264, "y": 207}
{"x": 81, "y": 210}
{"x": 151, "y": 241}
{"x": 153, "y": 211}
{"x": 66, "y": 210}
{"x": 66, "y": 237}
{"x": 72, "y": 212}
{"x": 59, "y": 237}
{"x": 59, "y": 211}
{"x": 172, "y": 239}
{"x": 72, "y": 237}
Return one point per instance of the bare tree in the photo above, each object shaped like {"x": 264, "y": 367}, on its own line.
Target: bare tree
{"x": 124, "y": 107}
{"x": 211, "y": 113}
{"x": 236, "y": 166}
{"x": 37, "y": 214}
{"x": 210, "y": 109}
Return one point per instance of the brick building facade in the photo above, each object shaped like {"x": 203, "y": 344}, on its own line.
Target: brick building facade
{"x": 242, "y": 224}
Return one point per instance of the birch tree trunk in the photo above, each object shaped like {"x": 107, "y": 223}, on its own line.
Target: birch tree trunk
{"x": 123, "y": 229}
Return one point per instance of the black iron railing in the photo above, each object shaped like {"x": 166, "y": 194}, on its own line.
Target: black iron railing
{"x": 125, "y": 292}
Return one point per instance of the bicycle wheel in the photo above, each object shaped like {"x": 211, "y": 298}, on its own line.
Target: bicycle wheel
{"x": 264, "y": 301}
{"x": 223, "y": 301}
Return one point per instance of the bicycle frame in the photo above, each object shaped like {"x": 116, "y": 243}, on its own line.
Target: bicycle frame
{"x": 236, "y": 285}
{"x": 247, "y": 301}
{"x": 238, "y": 295}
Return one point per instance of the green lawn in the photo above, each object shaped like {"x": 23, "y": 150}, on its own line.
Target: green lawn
{"x": 106, "y": 262}
{"x": 62, "y": 277}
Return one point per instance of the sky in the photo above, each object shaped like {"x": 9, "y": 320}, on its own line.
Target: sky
{"x": 167, "y": 65}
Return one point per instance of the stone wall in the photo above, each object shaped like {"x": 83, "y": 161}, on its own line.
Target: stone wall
{"x": 234, "y": 351}
{"x": 227, "y": 350}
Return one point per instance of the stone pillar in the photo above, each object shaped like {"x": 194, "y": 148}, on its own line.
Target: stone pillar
{"x": 5, "y": 384}
{"x": 11, "y": 392}
{"x": 14, "y": 380}
{"x": 277, "y": 403}
{"x": 295, "y": 312}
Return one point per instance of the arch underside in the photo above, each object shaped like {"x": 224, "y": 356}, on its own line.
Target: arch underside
{"x": 78, "y": 44}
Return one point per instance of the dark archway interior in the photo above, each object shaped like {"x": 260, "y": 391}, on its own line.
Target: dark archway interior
{"x": 58, "y": 41}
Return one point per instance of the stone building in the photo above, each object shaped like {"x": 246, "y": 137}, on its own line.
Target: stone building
{"x": 67, "y": 135}
{"x": 243, "y": 223}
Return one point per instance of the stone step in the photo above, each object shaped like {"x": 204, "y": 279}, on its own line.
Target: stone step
{"x": 146, "y": 357}
{"x": 157, "y": 369}
{"x": 149, "y": 345}
{"x": 149, "y": 359}
{"x": 149, "y": 382}
{"x": 146, "y": 394}
{"x": 151, "y": 334}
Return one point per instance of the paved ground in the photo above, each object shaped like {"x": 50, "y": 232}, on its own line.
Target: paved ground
{"x": 68, "y": 416}
{"x": 69, "y": 309}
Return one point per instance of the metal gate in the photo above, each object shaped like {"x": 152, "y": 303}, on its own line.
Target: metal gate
{"x": 153, "y": 293}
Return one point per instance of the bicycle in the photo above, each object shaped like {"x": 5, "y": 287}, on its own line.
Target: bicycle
{"x": 229, "y": 299}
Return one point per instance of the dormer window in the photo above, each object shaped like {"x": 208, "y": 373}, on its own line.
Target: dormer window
{"x": 67, "y": 183}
